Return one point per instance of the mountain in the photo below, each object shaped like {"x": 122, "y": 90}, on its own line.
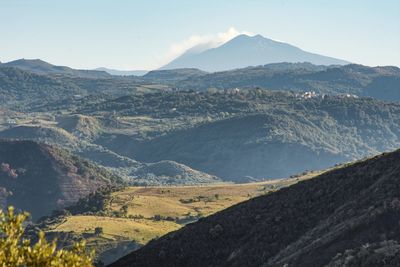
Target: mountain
{"x": 123, "y": 72}
{"x": 345, "y": 217}
{"x": 41, "y": 67}
{"x": 40, "y": 178}
{"x": 243, "y": 51}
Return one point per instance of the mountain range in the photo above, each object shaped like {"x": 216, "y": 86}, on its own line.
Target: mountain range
{"x": 243, "y": 51}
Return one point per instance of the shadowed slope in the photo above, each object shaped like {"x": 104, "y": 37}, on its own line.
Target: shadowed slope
{"x": 40, "y": 178}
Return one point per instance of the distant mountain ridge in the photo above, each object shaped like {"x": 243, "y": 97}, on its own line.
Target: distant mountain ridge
{"x": 41, "y": 67}
{"x": 243, "y": 51}
{"x": 122, "y": 72}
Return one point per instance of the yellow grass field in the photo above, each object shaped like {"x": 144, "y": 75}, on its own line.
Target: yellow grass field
{"x": 174, "y": 206}
{"x": 179, "y": 202}
{"x": 142, "y": 230}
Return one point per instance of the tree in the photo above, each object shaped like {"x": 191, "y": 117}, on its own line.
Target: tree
{"x": 17, "y": 251}
{"x": 98, "y": 231}
{"x": 124, "y": 210}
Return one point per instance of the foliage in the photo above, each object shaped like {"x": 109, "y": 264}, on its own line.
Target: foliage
{"x": 17, "y": 251}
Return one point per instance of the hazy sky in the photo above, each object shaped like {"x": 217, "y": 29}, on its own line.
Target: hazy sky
{"x": 146, "y": 34}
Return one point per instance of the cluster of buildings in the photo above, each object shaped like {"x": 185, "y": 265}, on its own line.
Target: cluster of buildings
{"x": 313, "y": 94}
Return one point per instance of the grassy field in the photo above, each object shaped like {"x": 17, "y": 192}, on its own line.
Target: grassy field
{"x": 185, "y": 201}
{"x": 151, "y": 212}
{"x": 114, "y": 229}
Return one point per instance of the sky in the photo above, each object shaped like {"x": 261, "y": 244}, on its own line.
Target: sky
{"x": 146, "y": 34}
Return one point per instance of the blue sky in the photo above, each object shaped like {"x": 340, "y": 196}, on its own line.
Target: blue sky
{"x": 147, "y": 34}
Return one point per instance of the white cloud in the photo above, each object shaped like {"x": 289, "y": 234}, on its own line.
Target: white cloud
{"x": 202, "y": 42}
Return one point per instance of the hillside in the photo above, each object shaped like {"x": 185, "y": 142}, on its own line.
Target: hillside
{"x": 243, "y": 51}
{"x": 344, "y": 217}
{"x": 39, "y": 178}
{"x": 166, "y": 172}
{"x": 21, "y": 86}
{"x": 76, "y": 133}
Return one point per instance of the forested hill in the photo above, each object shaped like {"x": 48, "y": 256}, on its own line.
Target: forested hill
{"x": 40, "y": 178}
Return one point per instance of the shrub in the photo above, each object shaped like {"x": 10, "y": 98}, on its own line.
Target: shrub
{"x": 17, "y": 251}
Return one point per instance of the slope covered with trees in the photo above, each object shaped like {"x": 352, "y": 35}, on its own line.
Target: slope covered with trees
{"x": 40, "y": 178}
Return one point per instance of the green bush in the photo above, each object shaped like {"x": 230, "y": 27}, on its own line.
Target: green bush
{"x": 17, "y": 251}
